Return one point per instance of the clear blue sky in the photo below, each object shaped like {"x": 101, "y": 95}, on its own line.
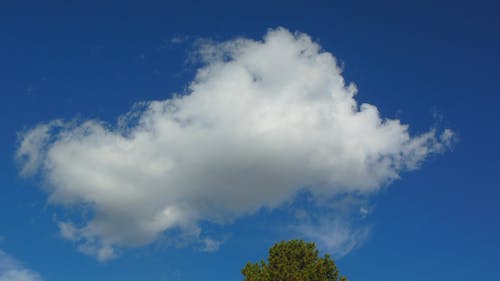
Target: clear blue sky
{"x": 422, "y": 62}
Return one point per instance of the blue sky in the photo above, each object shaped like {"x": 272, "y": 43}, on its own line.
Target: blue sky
{"x": 199, "y": 191}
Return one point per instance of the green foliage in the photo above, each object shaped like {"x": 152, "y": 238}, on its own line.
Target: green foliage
{"x": 293, "y": 260}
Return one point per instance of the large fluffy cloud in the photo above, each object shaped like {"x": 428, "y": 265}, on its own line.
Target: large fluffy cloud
{"x": 12, "y": 270}
{"x": 261, "y": 120}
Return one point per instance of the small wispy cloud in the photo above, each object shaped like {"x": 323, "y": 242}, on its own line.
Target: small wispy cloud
{"x": 210, "y": 245}
{"x": 179, "y": 39}
{"x": 335, "y": 235}
{"x": 13, "y": 270}
{"x": 338, "y": 227}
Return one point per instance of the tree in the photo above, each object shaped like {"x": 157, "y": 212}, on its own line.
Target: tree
{"x": 293, "y": 260}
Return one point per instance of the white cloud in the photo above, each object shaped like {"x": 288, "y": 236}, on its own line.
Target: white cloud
{"x": 12, "y": 270}
{"x": 261, "y": 120}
